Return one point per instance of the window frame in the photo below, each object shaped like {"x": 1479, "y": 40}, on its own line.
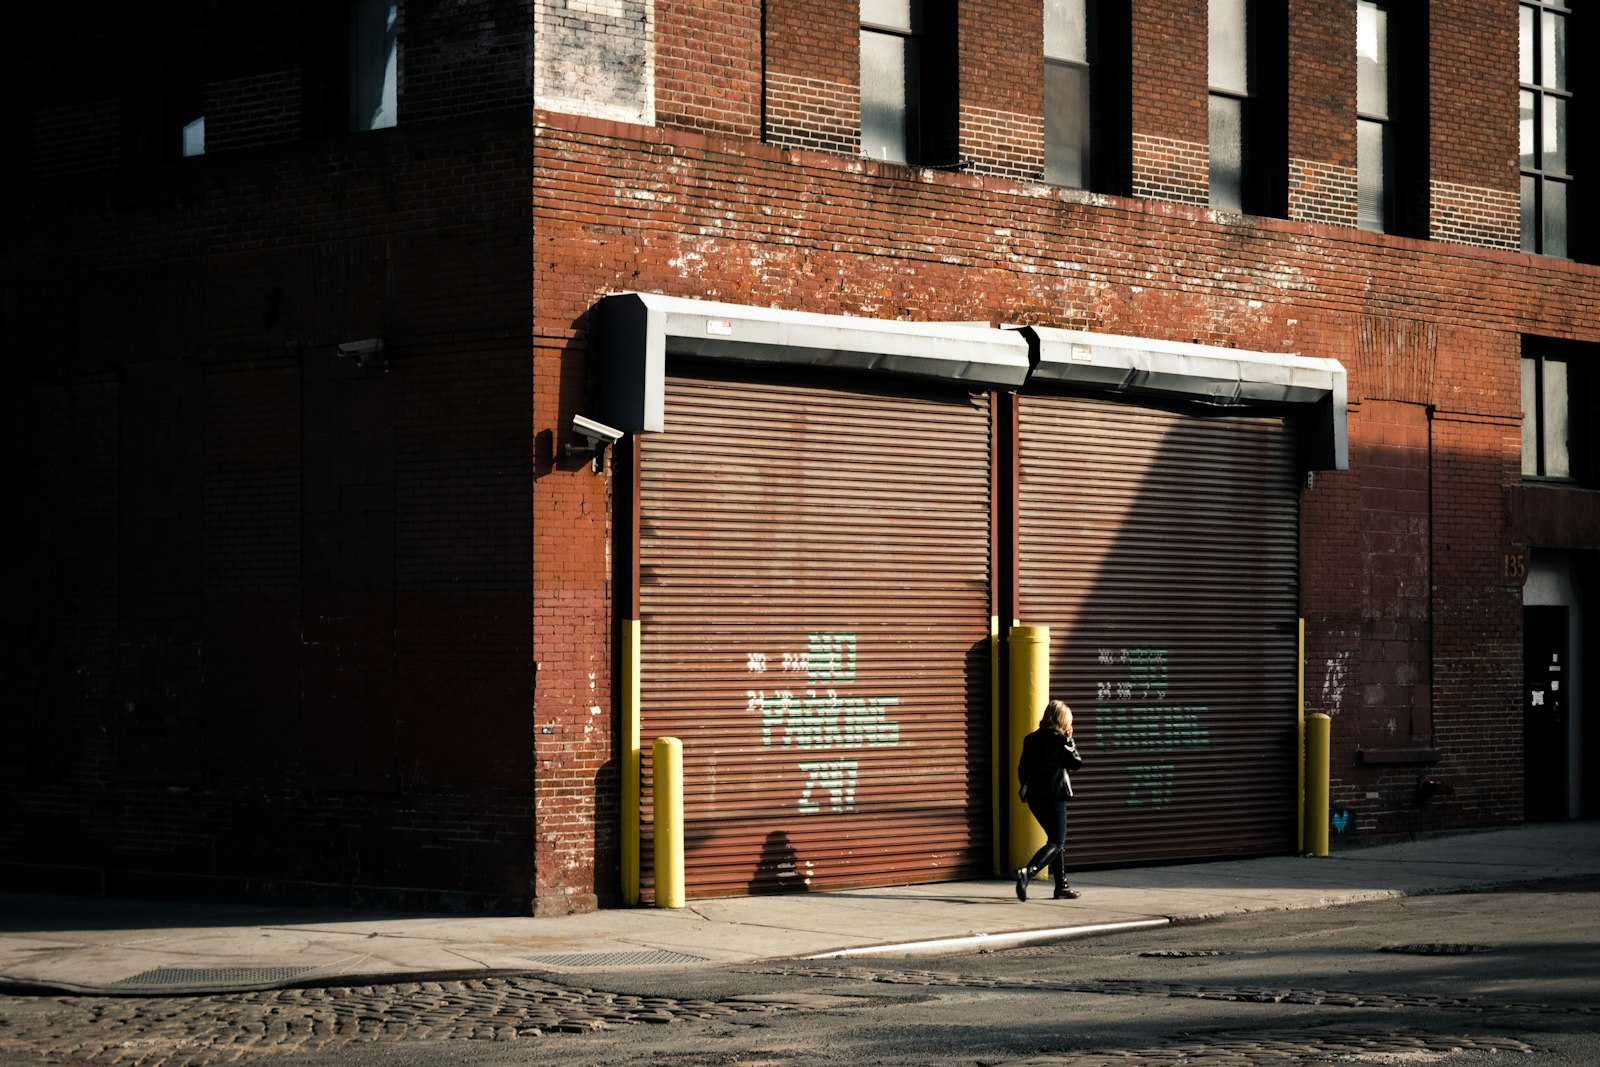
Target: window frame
{"x": 1108, "y": 61}
{"x": 1536, "y": 180}
{"x": 1384, "y": 123}
{"x": 1263, "y": 187}
{"x": 1244, "y": 98}
{"x": 164, "y": 80}
{"x": 1582, "y": 400}
{"x": 1535, "y": 409}
{"x": 357, "y": 72}
{"x": 929, "y": 117}
{"x": 909, "y": 118}
{"x": 328, "y": 35}
{"x": 1086, "y": 69}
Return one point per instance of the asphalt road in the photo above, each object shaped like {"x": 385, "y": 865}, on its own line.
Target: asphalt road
{"x": 1450, "y": 979}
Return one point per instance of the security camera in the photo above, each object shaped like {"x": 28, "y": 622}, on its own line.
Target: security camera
{"x": 361, "y": 348}
{"x": 598, "y": 434}
{"x": 364, "y": 353}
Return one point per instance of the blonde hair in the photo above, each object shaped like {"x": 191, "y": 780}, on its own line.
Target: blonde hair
{"x": 1057, "y": 717}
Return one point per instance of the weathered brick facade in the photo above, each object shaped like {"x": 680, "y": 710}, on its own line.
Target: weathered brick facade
{"x": 279, "y": 624}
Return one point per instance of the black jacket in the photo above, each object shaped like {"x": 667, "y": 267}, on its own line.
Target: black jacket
{"x": 1043, "y": 753}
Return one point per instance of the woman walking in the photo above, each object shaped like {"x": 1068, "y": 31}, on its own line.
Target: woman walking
{"x": 1048, "y": 754}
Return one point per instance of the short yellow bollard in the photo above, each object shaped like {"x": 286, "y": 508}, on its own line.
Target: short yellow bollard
{"x": 1319, "y": 736}
{"x": 667, "y": 766}
{"x": 1030, "y": 690}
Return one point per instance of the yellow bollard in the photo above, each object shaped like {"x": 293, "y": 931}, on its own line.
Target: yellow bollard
{"x": 1319, "y": 736}
{"x": 1030, "y": 691}
{"x": 667, "y": 767}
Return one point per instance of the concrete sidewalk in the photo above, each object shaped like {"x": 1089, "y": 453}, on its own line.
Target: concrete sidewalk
{"x": 132, "y": 948}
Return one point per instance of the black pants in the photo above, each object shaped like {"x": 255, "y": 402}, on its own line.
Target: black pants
{"x": 1051, "y": 816}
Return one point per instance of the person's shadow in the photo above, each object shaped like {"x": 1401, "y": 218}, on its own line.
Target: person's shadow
{"x": 780, "y": 870}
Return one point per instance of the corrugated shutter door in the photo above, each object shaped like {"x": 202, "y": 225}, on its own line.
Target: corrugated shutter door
{"x": 814, "y": 602}
{"x": 1162, "y": 551}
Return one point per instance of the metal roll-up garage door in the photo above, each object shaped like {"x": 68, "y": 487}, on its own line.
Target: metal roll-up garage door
{"x": 815, "y": 616}
{"x": 1162, "y": 551}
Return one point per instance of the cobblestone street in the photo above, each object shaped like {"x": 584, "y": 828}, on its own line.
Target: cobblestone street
{"x": 231, "y": 1028}
{"x": 154, "y": 1032}
{"x": 1446, "y": 979}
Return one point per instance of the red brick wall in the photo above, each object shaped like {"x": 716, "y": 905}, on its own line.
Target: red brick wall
{"x": 708, "y": 66}
{"x": 1472, "y": 134}
{"x": 221, "y": 514}
{"x": 1322, "y": 87}
{"x": 1425, "y": 495}
{"x": 813, "y": 72}
{"x": 1002, "y": 131}
{"x": 1170, "y": 73}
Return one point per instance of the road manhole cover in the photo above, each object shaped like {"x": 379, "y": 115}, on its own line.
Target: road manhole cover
{"x": 1434, "y": 949}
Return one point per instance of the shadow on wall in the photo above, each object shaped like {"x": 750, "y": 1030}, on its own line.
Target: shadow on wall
{"x": 780, "y": 869}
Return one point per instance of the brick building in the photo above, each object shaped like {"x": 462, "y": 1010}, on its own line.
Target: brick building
{"x": 1243, "y": 345}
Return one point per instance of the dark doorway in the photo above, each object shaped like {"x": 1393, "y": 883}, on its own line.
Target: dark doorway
{"x": 1545, "y": 687}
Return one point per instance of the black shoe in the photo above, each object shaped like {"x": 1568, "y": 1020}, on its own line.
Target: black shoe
{"x": 1023, "y": 874}
{"x": 1066, "y": 892}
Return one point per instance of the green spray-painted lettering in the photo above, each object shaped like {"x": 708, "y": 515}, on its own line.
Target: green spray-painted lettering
{"x": 830, "y": 657}
{"x": 1146, "y": 727}
{"x": 1152, "y": 786}
{"x": 823, "y": 720}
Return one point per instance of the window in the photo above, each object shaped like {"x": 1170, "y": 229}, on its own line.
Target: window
{"x": 1247, "y": 51}
{"x": 1087, "y": 98}
{"x": 1068, "y": 92}
{"x": 1546, "y": 451}
{"x": 1560, "y": 408}
{"x": 188, "y": 87}
{"x": 1374, "y": 132}
{"x": 164, "y": 81}
{"x": 1546, "y": 99}
{"x": 908, "y": 81}
{"x": 1232, "y": 102}
{"x": 374, "y": 63}
{"x": 891, "y": 71}
{"x": 351, "y": 67}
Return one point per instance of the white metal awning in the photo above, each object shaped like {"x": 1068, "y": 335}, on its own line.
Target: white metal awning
{"x": 637, "y": 331}
{"x": 1207, "y": 374}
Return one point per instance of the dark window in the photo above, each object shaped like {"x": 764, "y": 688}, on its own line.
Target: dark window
{"x": 1559, "y": 405}
{"x": 164, "y": 81}
{"x": 374, "y": 63}
{"x": 351, "y": 69}
{"x": 1232, "y": 99}
{"x": 1086, "y": 99}
{"x": 1374, "y": 131}
{"x": 1545, "y": 408}
{"x": 1546, "y": 104}
{"x": 1247, "y": 117}
{"x": 908, "y": 81}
